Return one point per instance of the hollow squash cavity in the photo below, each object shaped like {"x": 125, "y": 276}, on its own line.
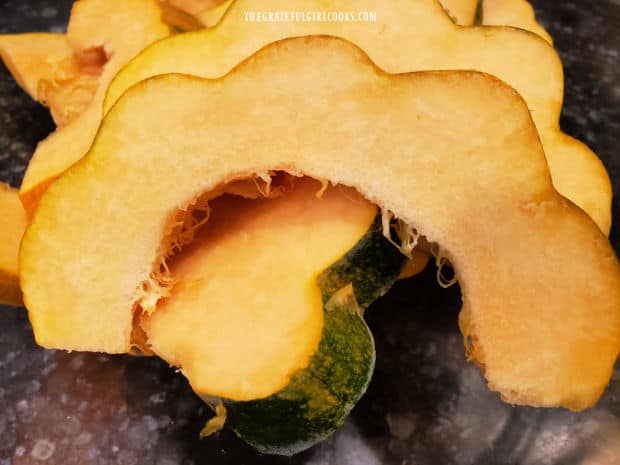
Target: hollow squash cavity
{"x": 245, "y": 311}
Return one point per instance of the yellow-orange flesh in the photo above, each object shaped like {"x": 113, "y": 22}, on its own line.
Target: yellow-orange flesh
{"x": 122, "y": 28}
{"x": 12, "y": 227}
{"x": 463, "y": 12}
{"x": 47, "y": 68}
{"x": 193, "y": 6}
{"x": 409, "y": 35}
{"x": 517, "y": 13}
{"x": 453, "y": 154}
{"x": 35, "y": 56}
{"x": 246, "y": 312}
{"x": 212, "y": 16}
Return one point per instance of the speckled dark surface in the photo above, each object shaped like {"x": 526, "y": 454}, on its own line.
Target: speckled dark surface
{"x": 425, "y": 405}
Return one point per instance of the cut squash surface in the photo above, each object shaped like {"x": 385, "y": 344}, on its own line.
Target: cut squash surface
{"x": 540, "y": 282}
{"x": 408, "y": 36}
{"x": 32, "y": 57}
{"x": 130, "y": 26}
{"x": 212, "y": 16}
{"x": 12, "y": 226}
{"x": 517, "y": 13}
{"x": 463, "y": 12}
{"x": 240, "y": 327}
{"x": 193, "y": 6}
{"x": 45, "y": 66}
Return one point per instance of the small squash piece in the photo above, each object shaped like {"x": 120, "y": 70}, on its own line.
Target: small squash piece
{"x": 517, "y": 13}
{"x": 32, "y": 57}
{"x": 283, "y": 332}
{"x": 521, "y": 59}
{"x": 46, "y": 67}
{"x": 453, "y": 154}
{"x": 12, "y": 226}
{"x": 130, "y": 25}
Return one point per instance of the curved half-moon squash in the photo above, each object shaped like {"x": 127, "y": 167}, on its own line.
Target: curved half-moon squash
{"x": 453, "y": 154}
{"x": 409, "y": 35}
{"x": 12, "y": 226}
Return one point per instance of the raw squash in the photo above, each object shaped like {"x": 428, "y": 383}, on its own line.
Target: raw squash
{"x": 515, "y": 13}
{"x": 130, "y": 25}
{"x": 46, "y": 67}
{"x": 277, "y": 334}
{"x": 518, "y": 13}
{"x": 12, "y": 227}
{"x": 179, "y": 20}
{"x": 212, "y": 16}
{"x": 517, "y": 57}
{"x": 193, "y": 7}
{"x": 454, "y": 155}
{"x": 463, "y": 12}
{"x": 184, "y": 21}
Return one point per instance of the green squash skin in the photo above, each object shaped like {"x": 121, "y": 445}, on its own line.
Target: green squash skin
{"x": 369, "y": 266}
{"x": 318, "y": 398}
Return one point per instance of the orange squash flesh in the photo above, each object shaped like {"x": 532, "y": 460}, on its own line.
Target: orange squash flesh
{"x": 515, "y": 13}
{"x": 521, "y": 59}
{"x": 193, "y": 7}
{"x": 178, "y": 19}
{"x": 540, "y": 282}
{"x": 240, "y": 328}
{"x": 518, "y": 13}
{"x": 532, "y": 68}
{"x": 212, "y": 16}
{"x": 463, "y": 12}
{"x": 130, "y": 25}
{"x": 35, "y": 56}
{"x": 46, "y": 67}
{"x": 12, "y": 226}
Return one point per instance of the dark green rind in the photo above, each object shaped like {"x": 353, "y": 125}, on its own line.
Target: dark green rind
{"x": 372, "y": 266}
{"x": 318, "y": 399}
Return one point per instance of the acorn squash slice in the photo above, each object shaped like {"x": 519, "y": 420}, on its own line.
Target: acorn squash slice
{"x": 193, "y": 7}
{"x": 408, "y": 36}
{"x": 284, "y": 329}
{"x": 46, "y": 67}
{"x": 212, "y": 16}
{"x": 517, "y": 13}
{"x": 130, "y": 25}
{"x": 462, "y": 12}
{"x": 454, "y": 155}
{"x": 12, "y": 227}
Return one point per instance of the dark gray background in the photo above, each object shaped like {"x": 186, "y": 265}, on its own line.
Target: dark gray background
{"x": 425, "y": 405}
